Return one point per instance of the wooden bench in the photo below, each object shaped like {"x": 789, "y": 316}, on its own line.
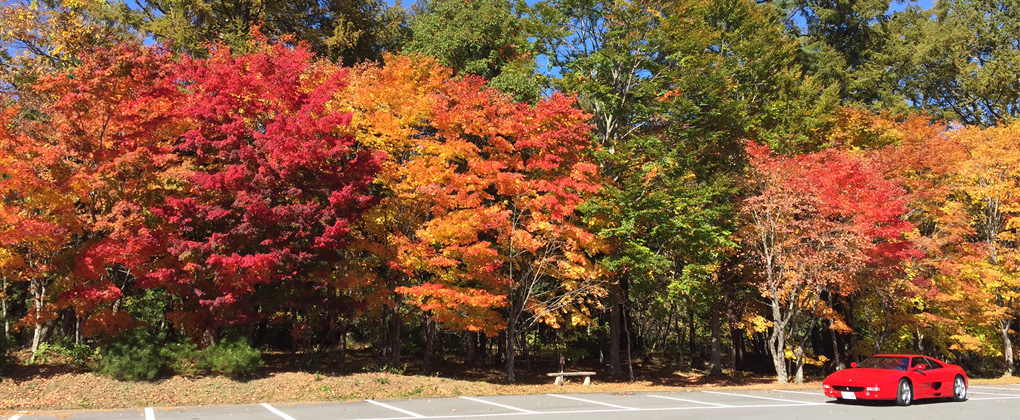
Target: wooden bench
{"x": 559, "y": 376}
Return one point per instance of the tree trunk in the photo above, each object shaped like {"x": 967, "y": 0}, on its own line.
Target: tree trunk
{"x": 471, "y": 358}
{"x": 777, "y": 344}
{"x": 393, "y": 341}
{"x": 429, "y": 337}
{"x": 483, "y": 345}
{"x": 603, "y": 340}
{"x": 3, "y": 308}
{"x": 342, "y": 344}
{"x": 511, "y": 349}
{"x": 798, "y": 354}
{"x": 39, "y": 291}
{"x": 501, "y": 348}
{"x": 692, "y": 345}
{"x": 920, "y": 341}
{"x": 777, "y": 349}
{"x": 1007, "y": 350}
{"x": 713, "y": 319}
{"x": 737, "y": 350}
{"x": 614, "y": 330}
{"x": 679, "y": 343}
{"x": 36, "y": 335}
{"x": 630, "y": 364}
{"x": 732, "y": 318}
{"x": 837, "y": 358}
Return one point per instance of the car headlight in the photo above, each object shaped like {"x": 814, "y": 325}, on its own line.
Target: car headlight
{"x": 873, "y": 388}
{"x": 826, "y": 386}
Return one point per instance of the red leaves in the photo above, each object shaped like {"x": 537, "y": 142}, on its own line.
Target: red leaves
{"x": 207, "y": 177}
{"x": 237, "y": 182}
{"x": 277, "y": 189}
{"x": 824, "y": 217}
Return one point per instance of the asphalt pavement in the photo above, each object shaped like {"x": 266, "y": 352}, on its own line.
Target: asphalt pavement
{"x": 999, "y": 402}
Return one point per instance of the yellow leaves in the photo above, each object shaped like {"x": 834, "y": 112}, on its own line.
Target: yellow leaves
{"x": 969, "y": 343}
{"x": 389, "y": 102}
{"x": 754, "y": 323}
{"x": 579, "y": 319}
{"x": 808, "y": 357}
{"x": 991, "y": 174}
{"x": 55, "y": 31}
{"x": 9, "y": 261}
{"x": 1013, "y": 223}
{"x": 574, "y": 313}
{"x": 840, "y": 326}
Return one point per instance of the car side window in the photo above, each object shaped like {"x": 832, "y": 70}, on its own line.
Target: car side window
{"x": 903, "y": 363}
{"x": 934, "y": 364}
{"x": 920, "y": 361}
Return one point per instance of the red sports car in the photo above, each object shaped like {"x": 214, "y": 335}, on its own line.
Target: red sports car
{"x": 899, "y": 377}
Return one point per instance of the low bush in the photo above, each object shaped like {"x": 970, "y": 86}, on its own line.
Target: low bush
{"x": 65, "y": 351}
{"x": 231, "y": 356}
{"x": 139, "y": 355}
{"x": 183, "y": 358}
{"x": 134, "y": 356}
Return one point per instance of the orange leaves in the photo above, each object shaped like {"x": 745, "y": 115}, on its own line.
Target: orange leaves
{"x": 106, "y": 323}
{"x": 475, "y": 187}
{"x": 460, "y": 308}
{"x": 389, "y": 102}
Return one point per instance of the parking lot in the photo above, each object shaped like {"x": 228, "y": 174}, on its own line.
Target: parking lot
{"x": 986, "y": 402}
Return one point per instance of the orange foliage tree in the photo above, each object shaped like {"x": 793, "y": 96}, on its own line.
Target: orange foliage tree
{"x": 92, "y": 145}
{"x": 936, "y": 300}
{"x": 480, "y": 196}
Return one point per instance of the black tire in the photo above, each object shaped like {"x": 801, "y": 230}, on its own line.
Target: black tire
{"x": 959, "y": 389}
{"x": 904, "y": 393}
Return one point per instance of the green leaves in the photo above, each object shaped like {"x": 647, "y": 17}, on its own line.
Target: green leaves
{"x": 485, "y": 38}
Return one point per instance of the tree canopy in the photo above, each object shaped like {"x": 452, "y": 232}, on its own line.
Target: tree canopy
{"x": 770, "y": 186}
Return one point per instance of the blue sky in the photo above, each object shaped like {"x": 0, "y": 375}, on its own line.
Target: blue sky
{"x": 925, "y": 4}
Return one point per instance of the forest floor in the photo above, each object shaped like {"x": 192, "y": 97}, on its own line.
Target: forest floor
{"x": 55, "y": 385}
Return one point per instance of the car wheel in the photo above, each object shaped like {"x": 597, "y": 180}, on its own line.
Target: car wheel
{"x": 959, "y": 389}
{"x": 904, "y": 393}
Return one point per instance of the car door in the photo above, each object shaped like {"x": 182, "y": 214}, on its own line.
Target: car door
{"x": 924, "y": 380}
{"x": 942, "y": 378}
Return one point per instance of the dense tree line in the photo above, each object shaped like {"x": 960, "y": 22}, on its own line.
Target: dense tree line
{"x": 758, "y": 186}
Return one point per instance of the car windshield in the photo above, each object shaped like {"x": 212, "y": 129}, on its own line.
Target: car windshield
{"x": 884, "y": 362}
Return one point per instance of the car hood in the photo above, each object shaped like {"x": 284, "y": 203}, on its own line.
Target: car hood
{"x": 861, "y": 375}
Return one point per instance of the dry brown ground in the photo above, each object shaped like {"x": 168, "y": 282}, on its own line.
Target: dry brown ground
{"x": 57, "y": 387}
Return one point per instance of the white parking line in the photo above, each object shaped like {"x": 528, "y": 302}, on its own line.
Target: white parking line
{"x": 591, "y": 402}
{"x": 817, "y": 394}
{"x": 499, "y": 405}
{"x": 410, "y": 413}
{"x": 760, "y": 398}
{"x": 690, "y": 401}
{"x": 275, "y": 411}
{"x": 993, "y": 393}
{"x": 17, "y": 416}
{"x": 994, "y": 387}
{"x": 467, "y": 416}
{"x": 149, "y": 415}
{"x": 994, "y": 398}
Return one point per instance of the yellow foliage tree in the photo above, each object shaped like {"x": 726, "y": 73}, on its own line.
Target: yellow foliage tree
{"x": 990, "y": 180}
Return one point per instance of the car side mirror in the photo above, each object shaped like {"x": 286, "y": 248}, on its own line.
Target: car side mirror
{"x": 919, "y": 367}
{"x": 853, "y": 364}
